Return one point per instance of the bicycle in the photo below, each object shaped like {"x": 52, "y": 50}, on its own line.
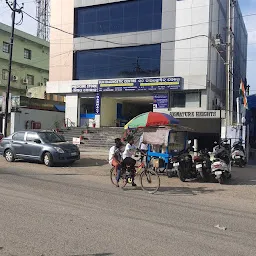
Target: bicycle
{"x": 141, "y": 170}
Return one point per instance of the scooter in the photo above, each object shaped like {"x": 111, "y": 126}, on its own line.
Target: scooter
{"x": 221, "y": 162}
{"x": 238, "y": 157}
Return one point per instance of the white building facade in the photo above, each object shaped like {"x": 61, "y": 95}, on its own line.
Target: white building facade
{"x": 122, "y": 58}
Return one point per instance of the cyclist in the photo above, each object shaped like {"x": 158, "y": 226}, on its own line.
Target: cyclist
{"x": 129, "y": 151}
{"x": 115, "y": 158}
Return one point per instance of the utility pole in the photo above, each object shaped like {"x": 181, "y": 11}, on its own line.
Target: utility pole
{"x": 14, "y": 10}
{"x": 229, "y": 64}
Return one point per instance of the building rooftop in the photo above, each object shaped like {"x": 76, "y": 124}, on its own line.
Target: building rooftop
{"x": 25, "y": 35}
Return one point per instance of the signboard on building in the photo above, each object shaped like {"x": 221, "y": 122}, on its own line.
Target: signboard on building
{"x": 85, "y": 88}
{"x": 140, "y": 84}
{"x": 97, "y": 103}
{"x": 198, "y": 114}
{"x": 161, "y": 101}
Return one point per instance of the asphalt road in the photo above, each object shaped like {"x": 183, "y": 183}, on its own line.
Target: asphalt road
{"x": 76, "y": 212}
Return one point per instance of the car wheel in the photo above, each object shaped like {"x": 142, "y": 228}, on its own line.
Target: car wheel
{"x": 47, "y": 159}
{"x": 9, "y": 156}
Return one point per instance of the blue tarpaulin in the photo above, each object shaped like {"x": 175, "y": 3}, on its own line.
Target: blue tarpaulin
{"x": 60, "y": 108}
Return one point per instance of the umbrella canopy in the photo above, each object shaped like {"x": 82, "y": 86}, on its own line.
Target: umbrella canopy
{"x": 151, "y": 119}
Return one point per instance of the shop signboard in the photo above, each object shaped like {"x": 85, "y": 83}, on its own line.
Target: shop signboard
{"x": 97, "y": 103}
{"x": 85, "y": 88}
{"x": 198, "y": 114}
{"x": 160, "y": 101}
{"x": 140, "y": 84}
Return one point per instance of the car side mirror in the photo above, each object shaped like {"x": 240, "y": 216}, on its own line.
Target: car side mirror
{"x": 37, "y": 141}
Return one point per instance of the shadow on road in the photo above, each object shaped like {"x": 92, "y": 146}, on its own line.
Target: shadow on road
{"x": 97, "y": 254}
{"x": 243, "y": 176}
{"x": 187, "y": 190}
{"x": 84, "y": 162}
{"x": 87, "y": 162}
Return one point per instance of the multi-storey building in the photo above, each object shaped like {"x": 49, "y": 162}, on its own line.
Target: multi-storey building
{"x": 119, "y": 58}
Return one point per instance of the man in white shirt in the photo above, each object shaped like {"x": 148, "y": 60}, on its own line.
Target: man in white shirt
{"x": 115, "y": 158}
{"x": 129, "y": 151}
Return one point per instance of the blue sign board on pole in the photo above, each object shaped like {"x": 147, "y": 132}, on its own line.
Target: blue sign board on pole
{"x": 97, "y": 103}
{"x": 161, "y": 101}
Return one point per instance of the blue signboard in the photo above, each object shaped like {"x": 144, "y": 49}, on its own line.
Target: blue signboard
{"x": 97, "y": 103}
{"x": 140, "y": 84}
{"x": 161, "y": 101}
{"x": 85, "y": 88}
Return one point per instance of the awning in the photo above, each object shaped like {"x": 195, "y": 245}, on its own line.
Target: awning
{"x": 60, "y": 108}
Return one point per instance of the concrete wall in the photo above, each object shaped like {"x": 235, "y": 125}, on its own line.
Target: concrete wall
{"x": 61, "y": 44}
{"x": 47, "y": 119}
{"x": 72, "y": 109}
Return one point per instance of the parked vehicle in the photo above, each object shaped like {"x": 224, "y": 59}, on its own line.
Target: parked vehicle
{"x": 44, "y": 146}
{"x": 238, "y": 157}
{"x": 221, "y": 162}
{"x": 203, "y": 165}
{"x": 1, "y": 136}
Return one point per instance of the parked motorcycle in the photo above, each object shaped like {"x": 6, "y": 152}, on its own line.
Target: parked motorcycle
{"x": 203, "y": 165}
{"x": 221, "y": 162}
{"x": 238, "y": 157}
{"x": 173, "y": 167}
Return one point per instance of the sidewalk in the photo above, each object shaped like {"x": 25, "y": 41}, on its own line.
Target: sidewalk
{"x": 91, "y": 151}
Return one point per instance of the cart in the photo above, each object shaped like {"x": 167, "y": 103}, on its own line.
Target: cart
{"x": 164, "y": 143}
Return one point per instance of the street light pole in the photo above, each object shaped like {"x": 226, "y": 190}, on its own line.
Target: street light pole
{"x": 10, "y": 67}
{"x": 14, "y": 10}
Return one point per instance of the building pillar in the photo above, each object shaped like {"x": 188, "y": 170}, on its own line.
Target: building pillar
{"x": 72, "y": 110}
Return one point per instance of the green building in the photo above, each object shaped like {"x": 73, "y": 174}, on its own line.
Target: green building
{"x": 30, "y": 61}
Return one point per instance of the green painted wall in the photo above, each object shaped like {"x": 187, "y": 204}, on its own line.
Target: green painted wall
{"x": 38, "y": 66}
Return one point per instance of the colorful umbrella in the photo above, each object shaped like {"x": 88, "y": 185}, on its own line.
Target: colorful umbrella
{"x": 151, "y": 119}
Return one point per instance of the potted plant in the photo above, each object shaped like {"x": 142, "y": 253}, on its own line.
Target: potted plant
{"x": 57, "y": 126}
{"x": 82, "y": 136}
{"x": 86, "y": 129}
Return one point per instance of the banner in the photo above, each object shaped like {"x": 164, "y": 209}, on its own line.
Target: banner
{"x": 140, "y": 84}
{"x": 97, "y": 103}
{"x": 161, "y": 101}
{"x": 85, "y": 88}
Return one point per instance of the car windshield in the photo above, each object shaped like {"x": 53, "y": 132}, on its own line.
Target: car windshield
{"x": 50, "y": 137}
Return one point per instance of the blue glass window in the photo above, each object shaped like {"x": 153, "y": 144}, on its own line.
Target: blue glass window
{"x": 135, "y": 61}
{"x": 121, "y": 17}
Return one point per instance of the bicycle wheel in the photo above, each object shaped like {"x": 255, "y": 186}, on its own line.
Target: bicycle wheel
{"x": 122, "y": 181}
{"x": 150, "y": 181}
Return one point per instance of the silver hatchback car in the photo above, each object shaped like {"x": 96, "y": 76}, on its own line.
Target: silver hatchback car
{"x": 44, "y": 146}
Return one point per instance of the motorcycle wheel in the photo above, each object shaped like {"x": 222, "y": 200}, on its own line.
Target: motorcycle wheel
{"x": 204, "y": 176}
{"x": 181, "y": 176}
{"x": 221, "y": 180}
{"x": 242, "y": 164}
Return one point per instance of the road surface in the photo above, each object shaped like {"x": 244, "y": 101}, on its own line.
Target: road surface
{"x": 75, "y": 211}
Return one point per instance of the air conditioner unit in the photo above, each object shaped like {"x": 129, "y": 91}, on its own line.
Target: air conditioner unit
{"x": 15, "y": 78}
{"x": 25, "y": 81}
{"x": 41, "y": 84}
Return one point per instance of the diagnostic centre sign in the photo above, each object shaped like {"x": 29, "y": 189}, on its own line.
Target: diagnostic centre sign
{"x": 131, "y": 84}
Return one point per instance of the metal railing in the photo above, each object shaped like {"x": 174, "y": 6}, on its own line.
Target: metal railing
{"x": 69, "y": 123}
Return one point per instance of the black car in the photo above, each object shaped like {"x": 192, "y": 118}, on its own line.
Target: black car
{"x": 44, "y": 146}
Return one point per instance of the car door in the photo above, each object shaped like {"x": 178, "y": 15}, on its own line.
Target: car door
{"x": 18, "y": 143}
{"x": 33, "y": 149}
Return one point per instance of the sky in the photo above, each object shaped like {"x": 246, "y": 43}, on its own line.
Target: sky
{"x": 247, "y": 7}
